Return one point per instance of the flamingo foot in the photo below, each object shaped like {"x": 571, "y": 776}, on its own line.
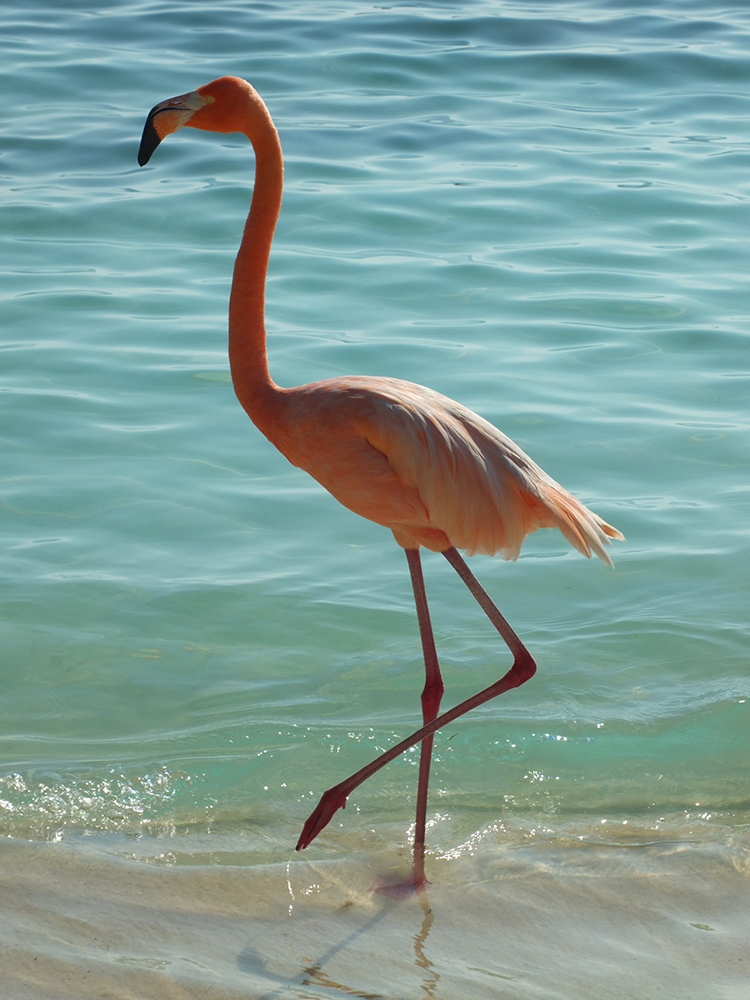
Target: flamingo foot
{"x": 401, "y": 889}
{"x": 331, "y": 801}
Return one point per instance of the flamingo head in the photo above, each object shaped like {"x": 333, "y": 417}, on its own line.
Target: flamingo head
{"x": 217, "y": 107}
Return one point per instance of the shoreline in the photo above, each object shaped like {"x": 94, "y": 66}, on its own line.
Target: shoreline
{"x": 584, "y": 922}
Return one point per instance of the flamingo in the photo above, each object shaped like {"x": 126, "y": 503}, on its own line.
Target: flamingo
{"x": 404, "y": 456}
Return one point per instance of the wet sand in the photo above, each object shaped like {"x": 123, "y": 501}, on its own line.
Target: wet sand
{"x": 579, "y": 922}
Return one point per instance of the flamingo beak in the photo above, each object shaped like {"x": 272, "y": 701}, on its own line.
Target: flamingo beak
{"x": 167, "y": 117}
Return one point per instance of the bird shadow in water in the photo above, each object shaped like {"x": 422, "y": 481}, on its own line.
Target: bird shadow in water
{"x": 313, "y": 972}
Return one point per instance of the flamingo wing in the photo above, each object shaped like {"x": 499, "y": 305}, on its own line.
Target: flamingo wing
{"x": 477, "y": 485}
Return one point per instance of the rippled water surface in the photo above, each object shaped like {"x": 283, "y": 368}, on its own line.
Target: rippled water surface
{"x": 540, "y": 210}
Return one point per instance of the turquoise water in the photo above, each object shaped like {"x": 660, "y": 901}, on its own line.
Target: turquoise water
{"x": 540, "y": 210}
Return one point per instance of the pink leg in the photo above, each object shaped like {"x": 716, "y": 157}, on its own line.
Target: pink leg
{"x": 522, "y": 669}
{"x": 431, "y": 695}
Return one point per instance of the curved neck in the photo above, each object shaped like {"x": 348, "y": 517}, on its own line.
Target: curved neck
{"x": 247, "y": 331}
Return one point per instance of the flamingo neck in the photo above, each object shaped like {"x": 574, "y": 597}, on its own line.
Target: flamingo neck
{"x": 247, "y": 331}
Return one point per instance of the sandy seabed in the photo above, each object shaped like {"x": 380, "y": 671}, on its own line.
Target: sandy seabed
{"x": 658, "y": 919}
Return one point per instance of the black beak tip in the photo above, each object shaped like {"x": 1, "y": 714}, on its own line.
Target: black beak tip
{"x": 149, "y": 141}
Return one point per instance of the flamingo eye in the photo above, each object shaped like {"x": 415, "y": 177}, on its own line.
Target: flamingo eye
{"x": 208, "y": 99}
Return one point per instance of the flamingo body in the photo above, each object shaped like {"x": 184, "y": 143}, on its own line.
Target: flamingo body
{"x": 426, "y": 467}
{"x": 438, "y": 475}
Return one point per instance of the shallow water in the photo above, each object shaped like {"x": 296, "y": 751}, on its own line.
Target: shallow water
{"x": 541, "y": 211}
{"x": 568, "y": 920}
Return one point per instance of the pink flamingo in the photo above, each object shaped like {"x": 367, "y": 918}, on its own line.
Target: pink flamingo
{"x": 406, "y": 457}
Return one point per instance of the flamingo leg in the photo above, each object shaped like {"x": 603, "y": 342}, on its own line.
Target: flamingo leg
{"x": 523, "y": 669}
{"x": 431, "y": 696}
